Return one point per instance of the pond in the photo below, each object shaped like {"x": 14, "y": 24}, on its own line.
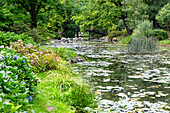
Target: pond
{"x": 125, "y": 82}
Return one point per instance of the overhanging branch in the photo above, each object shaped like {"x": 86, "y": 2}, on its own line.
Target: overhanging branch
{"x": 39, "y": 6}
{"x": 22, "y": 4}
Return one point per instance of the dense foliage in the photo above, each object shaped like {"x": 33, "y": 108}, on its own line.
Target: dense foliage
{"x": 17, "y": 85}
{"x": 6, "y": 38}
{"x": 160, "y": 34}
{"x": 164, "y": 16}
{"x": 41, "y": 60}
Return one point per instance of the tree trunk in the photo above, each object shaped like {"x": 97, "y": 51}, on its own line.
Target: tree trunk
{"x": 168, "y": 29}
{"x": 129, "y": 31}
{"x": 155, "y": 24}
{"x": 33, "y": 15}
{"x": 34, "y": 20}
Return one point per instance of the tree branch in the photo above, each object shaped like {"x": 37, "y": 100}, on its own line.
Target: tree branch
{"x": 22, "y": 4}
{"x": 39, "y": 6}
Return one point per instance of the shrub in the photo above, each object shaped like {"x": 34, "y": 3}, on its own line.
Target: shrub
{"x": 125, "y": 40}
{"x": 70, "y": 29}
{"x": 39, "y": 34}
{"x": 41, "y": 60}
{"x": 115, "y": 34}
{"x": 64, "y": 53}
{"x": 164, "y": 42}
{"x": 6, "y": 38}
{"x": 144, "y": 29}
{"x": 17, "y": 82}
{"x": 160, "y": 34}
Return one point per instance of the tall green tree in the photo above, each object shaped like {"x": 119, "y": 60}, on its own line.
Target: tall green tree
{"x": 164, "y": 16}
{"x": 152, "y": 10}
{"x": 136, "y": 11}
{"x": 103, "y": 15}
{"x": 33, "y": 7}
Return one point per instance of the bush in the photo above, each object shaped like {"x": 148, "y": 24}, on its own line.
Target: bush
{"x": 115, "y": 34}
{"x": 160, "y": 34}
{"x": 65, "y": 53}
{"x": 144, "y": 29}
{"x": 164, "y": 42}
{"x": 41, "y": 60}
{"x": 70, "y": 29}
{"x": 6, "y": 38}
{"x": 17, "y": 82}
{"x": 125, "y": 40}
{"x": 39, "y": 34}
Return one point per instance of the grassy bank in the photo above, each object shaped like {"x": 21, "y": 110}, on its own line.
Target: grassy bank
{"x": 164, "y": 42}
{"x": 62, "y": 90}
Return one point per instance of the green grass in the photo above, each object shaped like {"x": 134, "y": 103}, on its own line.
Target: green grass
{"x": 164, "y": 42}
{"x": 63, "y": 91}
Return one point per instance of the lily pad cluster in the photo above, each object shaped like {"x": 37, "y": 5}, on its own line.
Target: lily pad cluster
{"x": 17, "y": 82}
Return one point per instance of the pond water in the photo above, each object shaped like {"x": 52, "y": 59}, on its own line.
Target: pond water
{"x": 125, "y": 82}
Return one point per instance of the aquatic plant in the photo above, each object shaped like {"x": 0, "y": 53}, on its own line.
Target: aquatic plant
{"x": 142, "y": 45}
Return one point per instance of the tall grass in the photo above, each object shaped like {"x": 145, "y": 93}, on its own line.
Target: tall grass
{"x": 142, "y": 45}
{"x": 63, "y": 91}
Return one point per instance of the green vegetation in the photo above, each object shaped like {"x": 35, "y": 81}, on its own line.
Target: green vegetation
{"x": 164, "y": 42}
{"x": 17, "y": 85}
{"x": 41, "y": 60}
{"x": 26, "y": 25}
{"x": 125, "y": 40}
{"x": 64, "y": 91}
{"x": 60, "y": 90}
{"x": 160, "y": 34}
{"x": 6, "y": 38}
{"x": 163, "y": 16}
{"x": 64, "y": 53}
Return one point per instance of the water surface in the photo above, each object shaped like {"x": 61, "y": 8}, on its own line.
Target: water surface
{"x": 125, "y": 82}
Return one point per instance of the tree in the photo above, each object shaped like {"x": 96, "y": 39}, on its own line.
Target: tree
{"x": 153, "y": 7}
{"x": 164, "y": 16}
{"x": 136, "y": 12}
{"x": 31, "y": 6}
{"x": 103, "y": 15}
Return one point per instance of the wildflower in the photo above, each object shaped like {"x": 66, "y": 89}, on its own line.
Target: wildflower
{"x": 23, "y": 82}
{"x": 39, "y": 81}
{"x": 23, "y": 61}
{"x": 21, "y": 71}
{"x": 30, "y": 98}
{"x": 4, "y": 66}
{"x": 38, "y": 92}
{"x": 15, "y": 57}
{"x": 31, "y": 61}
{"x": 1, "y": 59}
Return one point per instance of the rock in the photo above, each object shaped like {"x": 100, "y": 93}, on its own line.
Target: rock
{"x": 78, "y": 39}
{"x": 105, "y": 39}
{"x": 65, "y": 40}
{"x": 77, "y": 59}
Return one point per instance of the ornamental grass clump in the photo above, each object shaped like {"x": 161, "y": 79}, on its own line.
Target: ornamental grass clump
{"x": 143, "y": 45}
{"x": 41, "y": 60}
{"x": 17, "y": 82}
{"x": 141, "y": 41}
